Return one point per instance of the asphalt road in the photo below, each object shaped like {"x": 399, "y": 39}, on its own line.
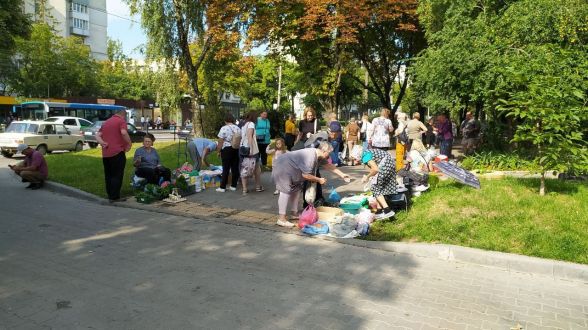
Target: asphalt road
{"x": 72, "y": 264}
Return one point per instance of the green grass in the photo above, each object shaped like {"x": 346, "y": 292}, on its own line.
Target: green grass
{"x": 84, "y": 170}
{"x": 505, "y": 215}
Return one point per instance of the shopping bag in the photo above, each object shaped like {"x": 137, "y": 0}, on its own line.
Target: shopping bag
{"x": 308, "y": 216}
{"x": 310, "y": 193}
{"x": 334, "y": 197}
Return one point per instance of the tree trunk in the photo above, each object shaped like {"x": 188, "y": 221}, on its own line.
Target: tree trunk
{"x": 400, "y": 94}
{"x": 197, "y": 118}
{"x": 542, "y": 187}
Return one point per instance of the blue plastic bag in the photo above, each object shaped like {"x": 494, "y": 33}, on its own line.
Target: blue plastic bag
{"x": 317, "y": 228}
{"x": 334, "y": 197}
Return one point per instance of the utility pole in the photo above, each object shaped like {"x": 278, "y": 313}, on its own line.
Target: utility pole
{"x": 279, "y": 86}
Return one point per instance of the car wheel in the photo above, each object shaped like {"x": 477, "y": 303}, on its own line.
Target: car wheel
{"x": 79, "y": 146}
{"x": 42, "y": 149}
{"x": 7, "y": 154}
{"x": 92, "y": 144}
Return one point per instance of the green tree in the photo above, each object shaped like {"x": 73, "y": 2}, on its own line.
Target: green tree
{"x": 525, "y": 59}
{"x": 51, "y": 66}
{"x": 550, "y": 102}
{"x": 173, "y": 25}
{"x": 121, "y": 77}
{"x": 13, "y": 23}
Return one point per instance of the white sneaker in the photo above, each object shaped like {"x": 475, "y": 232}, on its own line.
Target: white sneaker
{"x": 283, "y": 223}
{"x": 231, "y": 188}
{"x": 380, "y": 216}
{"x": 276, "y": 192}
{"x": 220, "y": 190}
{"x": 401, "y": 189}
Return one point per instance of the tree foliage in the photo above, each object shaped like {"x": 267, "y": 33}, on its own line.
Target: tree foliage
{"x": 524, "y": 58}
{"x": 51, "y": 66}
{"x": 326, "y": 37}
{"x": 173, "y": 25}
{"x": 121, "y": 77}
{"x": 13, "y": 23}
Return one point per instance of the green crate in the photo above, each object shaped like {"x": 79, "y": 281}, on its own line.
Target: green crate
{"x": 351, "y": 208}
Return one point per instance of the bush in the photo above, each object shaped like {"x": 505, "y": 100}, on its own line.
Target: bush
{"x": 489, "y": 160}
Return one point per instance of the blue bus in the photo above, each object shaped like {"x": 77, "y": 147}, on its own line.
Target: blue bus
{"x": 39, "y": 110}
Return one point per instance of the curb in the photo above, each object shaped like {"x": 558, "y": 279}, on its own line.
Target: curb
{"x": 555, "y": 269}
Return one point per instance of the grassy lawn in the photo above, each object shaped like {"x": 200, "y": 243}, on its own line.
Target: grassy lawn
{"x": 505, "y": 215}
{"x": 84, "y": 170}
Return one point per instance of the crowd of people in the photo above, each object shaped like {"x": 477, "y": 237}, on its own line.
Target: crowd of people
{"x": 298, "y": 157}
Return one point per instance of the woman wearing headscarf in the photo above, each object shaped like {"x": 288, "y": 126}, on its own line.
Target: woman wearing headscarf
{"x": 382, "y": 175}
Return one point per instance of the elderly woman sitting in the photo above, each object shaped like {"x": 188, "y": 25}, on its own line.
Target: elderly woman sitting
{"x": 382, "y": 175}
{"x": 148, "y": 164}
{"x": 290, "y": 171}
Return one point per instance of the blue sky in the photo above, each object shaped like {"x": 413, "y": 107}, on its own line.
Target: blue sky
{"x": 125, "y": 30}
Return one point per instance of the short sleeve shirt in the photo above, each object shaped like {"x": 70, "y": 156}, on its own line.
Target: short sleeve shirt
{"x": 226, "y": 134}
{"x": 38, "y": 162}
{"x": 290, "y": 127}
{"x": 246, "y": 127}
{"x": 111, "y": 134}
{"x": 202, "y": 144}
{"x": 149, "y": 159}
{"x": 289, "y": 167}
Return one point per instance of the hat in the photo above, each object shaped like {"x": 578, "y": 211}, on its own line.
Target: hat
{"x": 21, "y": 147}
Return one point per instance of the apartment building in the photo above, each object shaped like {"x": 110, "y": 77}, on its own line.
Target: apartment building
{"x": 82, "y": 18}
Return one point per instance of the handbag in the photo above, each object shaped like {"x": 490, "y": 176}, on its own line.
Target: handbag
{"x": 244, "y": 151}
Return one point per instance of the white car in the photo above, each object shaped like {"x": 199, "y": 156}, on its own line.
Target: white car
{"x": 41, "y": 135}
{"x": 73, "y": 124}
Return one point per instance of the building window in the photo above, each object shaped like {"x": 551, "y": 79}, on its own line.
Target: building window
{"x": 80, "y": 24}
{"x": 79, "y": 8}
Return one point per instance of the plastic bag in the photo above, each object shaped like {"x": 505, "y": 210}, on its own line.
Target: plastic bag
{"x": 365, "y": 216}
{"x": 310, "y": 193}
{"x": 318, "y": 228}
{"x": 334, "y": 197}
{"x": 308, "y": 216}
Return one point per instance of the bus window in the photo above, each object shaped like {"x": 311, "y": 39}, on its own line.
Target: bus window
{"x": 80, "y": 113}
{"x": 53, "y": 112}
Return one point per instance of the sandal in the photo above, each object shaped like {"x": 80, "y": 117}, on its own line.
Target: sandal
{"x": 245, "y": 191}
{"x": 259, "y": 189}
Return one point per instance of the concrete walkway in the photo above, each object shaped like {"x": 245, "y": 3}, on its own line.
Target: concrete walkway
{"x": 67, "y": 263}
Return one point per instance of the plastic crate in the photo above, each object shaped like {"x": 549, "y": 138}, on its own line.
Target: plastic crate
{"x": 351, "y": 208}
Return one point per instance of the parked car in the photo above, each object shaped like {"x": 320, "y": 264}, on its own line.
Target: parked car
{"x": 41, "y": 135}
{"x": 73, "y": 124}
{"x": 90, "y": 133}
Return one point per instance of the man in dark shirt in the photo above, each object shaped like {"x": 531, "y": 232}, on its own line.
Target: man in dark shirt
{"x": 33, "y": 169}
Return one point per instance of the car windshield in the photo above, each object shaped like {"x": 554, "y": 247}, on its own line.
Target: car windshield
{"x": 52, "y": 119}
{"x": 22, "y": 128}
